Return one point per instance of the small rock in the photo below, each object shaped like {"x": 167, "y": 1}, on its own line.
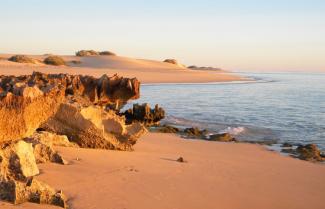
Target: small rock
{"x": 181, "y": 160}
{"x": 225, "y": 137}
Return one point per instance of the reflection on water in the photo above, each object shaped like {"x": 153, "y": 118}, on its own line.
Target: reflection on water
{"x": 289, "y": 107}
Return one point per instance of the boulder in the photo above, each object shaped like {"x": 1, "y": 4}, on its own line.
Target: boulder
{"x": 17, "y": 169}
{"x": 144, "y": 114}
{"x": 224, "y": 137}
{"x": 167, "y": 129}
{"x": 195, "y": 133}
{"x": 309, "y": 152}
{"x": 93, "y": 127}
{"x": 35, "y": 191}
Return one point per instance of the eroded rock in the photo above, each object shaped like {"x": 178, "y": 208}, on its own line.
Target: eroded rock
{"x": 17, "y": 169}
{"x": 224, "y": 137}
{"x": 93, "y": 127}
{"x": 144, "y": 114}
{"x": 195, "y": 132}
{"x": 309, "y": 152}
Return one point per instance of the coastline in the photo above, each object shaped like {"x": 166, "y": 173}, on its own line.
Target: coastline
{"x": 225, "y": 175}
{"x": 147, "y": 71}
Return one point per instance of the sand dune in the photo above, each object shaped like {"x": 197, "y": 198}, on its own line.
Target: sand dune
{"x": 217, "y": 175}
{"x": 147, "y": 71}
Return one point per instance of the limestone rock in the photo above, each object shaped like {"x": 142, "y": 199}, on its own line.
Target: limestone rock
{"x": 167, "y": 129}
{"x": 195, "y": 132}
{"x": 224, "y": 137}
{"x": 17, "y": 161}
{"x": 144, "y": 114}
{"x": 309, "y": 152}
{"x": 93, "y": 127}
{"x": 35, "y": 191}
{"x": 83, "y": 53}
{"x": 17, "y": 169}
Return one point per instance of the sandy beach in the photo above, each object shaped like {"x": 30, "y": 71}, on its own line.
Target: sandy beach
{"x": 216, "y": 175}
{"x": 147, "y": 71}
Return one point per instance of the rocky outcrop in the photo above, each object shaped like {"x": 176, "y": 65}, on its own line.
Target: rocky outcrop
{"x": 107, "y": 53}
{"x": 195, "y": 133}
{"x": 17, "y": 169}
{"x": 167, "y": 129}
{"x": 309, "y": 152}
{"x": 93, "y": 127}
{"x": 25, "y": 105}
{"x": 224, "y": 137}
{"x": 144, "y": 114}
{"x": 73, "y": 105}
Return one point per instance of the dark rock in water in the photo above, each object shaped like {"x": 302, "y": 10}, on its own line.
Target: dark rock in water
{"x": 309, "y": 152}
{"x": 167, "y": 129}
{"x": 195, "y": 132}
{"x": 225, "y": 137}
{"x": 144, "y": 114}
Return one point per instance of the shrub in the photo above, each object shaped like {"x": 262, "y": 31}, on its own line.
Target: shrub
{"x": 107, "y": 53}
{"x": 22, "y": 59}
{"x": 171, "y": 61}
{"x": 84, "y": 53}
{"x": 54, "y": 60}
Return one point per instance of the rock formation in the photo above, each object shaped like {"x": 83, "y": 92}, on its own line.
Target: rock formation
{"x": 93, "y": 127}
{"x": 144, "y": 114}
{"x": 17, "y": 169}
{"x": 195, "y": 133}
{"x": 309, "y": 152}
{"x": 224, "y": 137}
{"x": 73, "y": 105}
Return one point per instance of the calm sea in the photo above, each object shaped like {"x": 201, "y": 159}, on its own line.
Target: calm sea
{"x": 288, "y": 107}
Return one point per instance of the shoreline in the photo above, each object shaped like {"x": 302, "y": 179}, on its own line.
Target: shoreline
{"x": 229, "y": 175}
{"x": 147, "y": 71}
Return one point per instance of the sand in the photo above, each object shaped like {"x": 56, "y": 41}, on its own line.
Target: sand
{"x": 217, "y": 175}
{"x": 147, "y": 71}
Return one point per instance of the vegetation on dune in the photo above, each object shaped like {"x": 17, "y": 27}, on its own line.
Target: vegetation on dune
{"x": 22, "y": 59}
{"x": 54, "y": 60}
{"x": 107, "y": 53}
{"x": 84, "y": 53}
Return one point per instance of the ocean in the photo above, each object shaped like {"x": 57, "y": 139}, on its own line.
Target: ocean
{"x": 283, "y": 107}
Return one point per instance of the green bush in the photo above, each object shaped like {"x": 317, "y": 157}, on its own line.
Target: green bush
{"x": 54, "y": 60}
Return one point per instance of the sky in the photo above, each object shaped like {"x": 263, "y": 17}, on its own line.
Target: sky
{"x": 240, "y": 35}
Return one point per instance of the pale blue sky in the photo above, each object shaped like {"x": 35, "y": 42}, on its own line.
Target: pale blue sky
{"x": 236, "y": 35}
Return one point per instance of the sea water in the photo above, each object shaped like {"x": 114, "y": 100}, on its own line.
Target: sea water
{"x": 287, "y": 107}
